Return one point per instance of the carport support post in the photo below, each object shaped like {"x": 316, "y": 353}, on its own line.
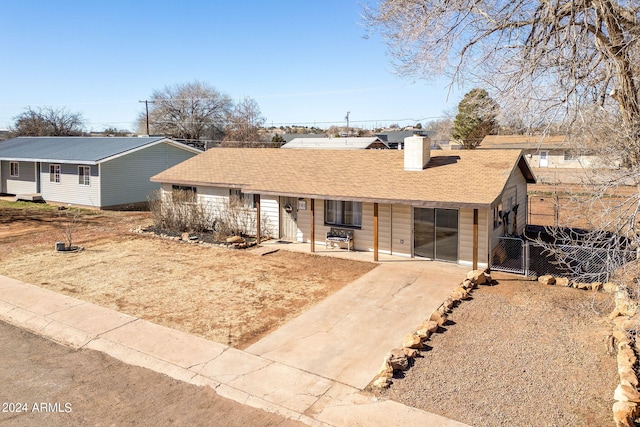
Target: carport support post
{"x": 257, "y": 219}
{"x": 375, "y": 232}
{"x": 475, "y": 239}
{"x": 313, "y": 225}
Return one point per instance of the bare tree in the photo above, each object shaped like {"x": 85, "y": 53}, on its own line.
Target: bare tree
{"x": 570, "y": 65}
{"x": 440, "y": 129}
{"x": 244, "y": 122}
{"x": 48, "y": 121}
{"x": 189, "y": 111}
{"x": 561, "y": 53}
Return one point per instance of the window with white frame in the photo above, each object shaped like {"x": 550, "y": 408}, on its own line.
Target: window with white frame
{"x": 248, "y": 200}
{"x": 185, "y": 193}
{"x": 54, "y": 173}
{"x": 14, "y": 169}
{"x": 343, "y": 213}
{"x": 570, "y": 155}
{"x": 84, "y": 174}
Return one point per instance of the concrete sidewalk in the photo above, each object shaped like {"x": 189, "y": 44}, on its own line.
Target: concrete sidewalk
{"x": 266, "y": 383}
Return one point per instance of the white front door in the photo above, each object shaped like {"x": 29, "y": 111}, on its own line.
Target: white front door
{"x": 288, "y": 218}
{"x": 544, "y": 159}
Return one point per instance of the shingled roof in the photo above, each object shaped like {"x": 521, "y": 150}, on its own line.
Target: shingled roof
{"x": 473, "y": 179}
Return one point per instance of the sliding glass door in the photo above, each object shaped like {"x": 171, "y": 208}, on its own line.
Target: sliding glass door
{"x": 435, "y": 233}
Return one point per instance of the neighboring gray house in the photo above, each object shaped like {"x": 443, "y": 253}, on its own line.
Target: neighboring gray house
{"x": 87, "y": 171}
{"x": 395, "y": 138}
{"x": 348, "y": 143}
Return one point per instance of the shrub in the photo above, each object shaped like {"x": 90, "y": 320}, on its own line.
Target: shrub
{"x": 178, "y": 211}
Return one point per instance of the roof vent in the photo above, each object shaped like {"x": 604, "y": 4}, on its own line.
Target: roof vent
{"x": 417, "y": 152}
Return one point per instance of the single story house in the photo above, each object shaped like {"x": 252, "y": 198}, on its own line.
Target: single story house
{"x": 87, "y": 171}
{"x": 541, "y": 151}
{"x": 347, "y": 143}
{"x": 443, "y": 206}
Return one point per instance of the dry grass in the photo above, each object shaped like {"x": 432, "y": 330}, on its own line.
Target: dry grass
{"x": 233, "y": 297}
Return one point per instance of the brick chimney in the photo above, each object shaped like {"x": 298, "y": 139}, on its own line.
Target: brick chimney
{"x": 417, "y": 152}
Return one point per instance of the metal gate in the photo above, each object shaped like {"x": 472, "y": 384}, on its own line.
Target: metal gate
{"x": 509, "y": 254}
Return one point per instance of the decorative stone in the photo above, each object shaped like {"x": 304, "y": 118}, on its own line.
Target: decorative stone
{"x": 596, "y": 286}
{"x": 582, "y": 286}
{"x": 412, "y": 341}
{"x": 410, "y": 352}
{"x": 463, "y": 291}
{"x": 629, "y": 324}
{"x": 547, "y": 280}
{"x": 620, "y": 335}
{"x": 386, "y": 371}
{"x": 468, "y": 284}
{"x": 626, "y": 357}
{"x": 423, "y": 334}
{"x": 624, "y": 414}
{"x": 442, "y": 309}
{"x": 185, "y": 236}
{"x": 381, "y": 383}
{"x": 456, "y": 295}
{"x": 563, "y": 281}
{"x": 626, "y": 393}
{"x": 477, "y": 277}
{"x": 438, "y": 318}
{"x": 430, "y": 326}
{"x": 626, "y": 308}
{"x": 235, "y": 239}
{"x": 449, "y": 303}
{"x": 610, "y": 287}
{"x": 398, "y": 360}
{"x": 627, "y": 376}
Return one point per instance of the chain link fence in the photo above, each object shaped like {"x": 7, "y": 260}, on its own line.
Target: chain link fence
{"x": 579, "y": 262}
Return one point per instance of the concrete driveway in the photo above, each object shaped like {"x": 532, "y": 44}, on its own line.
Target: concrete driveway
{"x": 346, "y": 337}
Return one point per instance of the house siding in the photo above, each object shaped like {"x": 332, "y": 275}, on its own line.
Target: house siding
{"x": 516, "y": 189}
{"x": 556, "y": 160}
{"x": 465, "y": 237}
{"x": 24, "y": 183}
{"x": 125, "y": 179}
{"x": 69, "y": 190}
{"x": 402, "y": 226}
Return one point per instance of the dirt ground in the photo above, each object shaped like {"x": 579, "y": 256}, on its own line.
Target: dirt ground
{"x": 568, "y": 205}
{"x": 56, "y": 386}
{"x": 229, "y": 296}
{"x": 518, "y": 354}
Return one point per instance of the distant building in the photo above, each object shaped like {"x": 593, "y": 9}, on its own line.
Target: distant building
{"x": 350, "y": 143}
{"x": 395, "y": 138}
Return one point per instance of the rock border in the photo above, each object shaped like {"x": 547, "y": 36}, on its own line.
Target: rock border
{"x": 399, "y": 359}
{"x": 234, "y": 242}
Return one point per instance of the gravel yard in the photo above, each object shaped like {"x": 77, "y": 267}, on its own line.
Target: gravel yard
{"x": 517, "y": 354}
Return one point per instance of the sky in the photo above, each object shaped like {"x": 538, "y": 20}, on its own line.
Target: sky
{"x": 304, "y": 62}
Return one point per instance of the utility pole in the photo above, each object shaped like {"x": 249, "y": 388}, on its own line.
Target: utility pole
{"x": 146, "y": 106}
{"x": 347, "y": 117}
